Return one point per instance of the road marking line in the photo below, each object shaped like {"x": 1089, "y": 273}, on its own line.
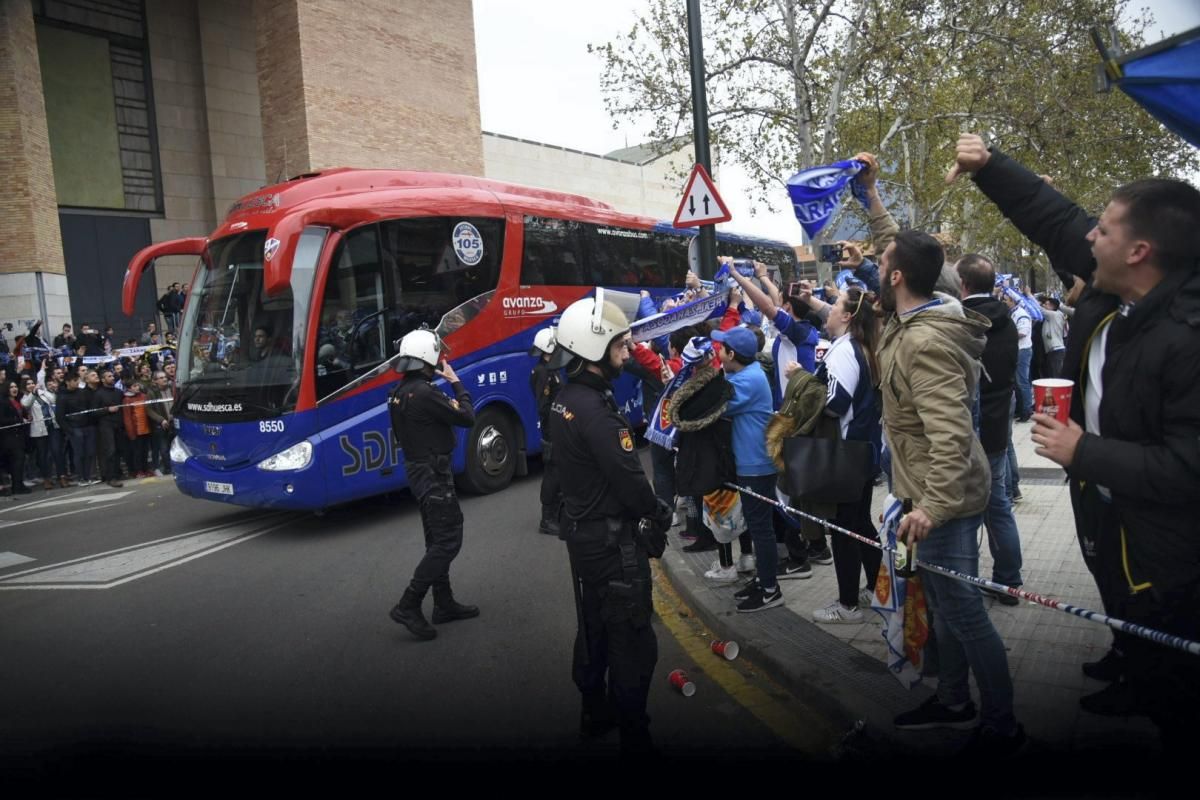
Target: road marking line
{"x": 12, "y": 559}
{"x": 814, "y": 737}
{"x": 91, "y": 499}
{"x": 17, "y": 522}
{"x": 166, "y": 541}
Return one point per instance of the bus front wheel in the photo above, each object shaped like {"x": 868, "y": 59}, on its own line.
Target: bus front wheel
{"x": 491, "y": 453}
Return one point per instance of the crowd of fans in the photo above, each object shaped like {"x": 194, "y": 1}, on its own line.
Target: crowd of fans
{"x": 84, "y": 408}
{"x": 927, "y": 357}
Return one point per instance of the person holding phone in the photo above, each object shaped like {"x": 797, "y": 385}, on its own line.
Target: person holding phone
{"x": 423, "y": 421}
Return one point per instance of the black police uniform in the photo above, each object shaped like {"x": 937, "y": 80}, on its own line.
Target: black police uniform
{"x": 605, "y": 493}
{"x": 545, "y": 384}
{"x": 423, "y": 420}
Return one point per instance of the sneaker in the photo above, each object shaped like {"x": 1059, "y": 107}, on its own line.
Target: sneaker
{"x": 719, "y": 574}
{"x": 1003, "y": 598}
{"x": 748, "y": 588}
{"x": 985, "y": 743}
{"x": 835, "y": 613}
{"x": 747, "y": 563}
{"x": 865, "y": 597}
{"x": 1115, "y": 700}
{"x": 932, "y": 714}
{"x": 761, "y": 600}
{"x": 793, "y": 570}
{"x": 1108, "y": 669}
{"x": 821, "y": 555}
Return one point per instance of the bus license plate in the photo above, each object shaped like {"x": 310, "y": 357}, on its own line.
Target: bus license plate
{"x": 218, "y": 488}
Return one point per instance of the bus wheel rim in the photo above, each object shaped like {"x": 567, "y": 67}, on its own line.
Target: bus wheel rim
{"x": 492, "y": 451}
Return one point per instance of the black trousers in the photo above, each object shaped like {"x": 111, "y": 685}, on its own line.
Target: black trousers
{"x": 850, "y": 556}
{"x": 106, "y": 451}
{"x": 551, "y": 493}
{"x": 432, "y": 483}
{"x": 13, "y": 444}
{"x": 615, "y": 648}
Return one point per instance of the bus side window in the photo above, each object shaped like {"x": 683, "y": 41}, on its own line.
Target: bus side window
{"x": 351, "y": 339}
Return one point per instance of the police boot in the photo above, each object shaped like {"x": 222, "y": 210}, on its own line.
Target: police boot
{"x": 408, "y": 613}
{"x": 447, "y": 609}
{"x": 597, "y": 717}
{"x": 549, "y": 523}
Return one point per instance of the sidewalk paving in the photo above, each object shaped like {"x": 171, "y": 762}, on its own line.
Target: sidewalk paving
{"x": 839, "y": 669}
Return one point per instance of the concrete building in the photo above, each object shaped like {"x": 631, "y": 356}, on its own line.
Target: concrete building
{"x": 637, "y": 180}
{"x": 124, "y": 122}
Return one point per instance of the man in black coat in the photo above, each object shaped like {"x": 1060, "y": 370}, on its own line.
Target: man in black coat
{"x": 978, "y": 277}
{"x": 1132, "y": 446}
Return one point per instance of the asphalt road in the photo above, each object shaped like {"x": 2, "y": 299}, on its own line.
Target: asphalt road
{"x": 141, "y": 626}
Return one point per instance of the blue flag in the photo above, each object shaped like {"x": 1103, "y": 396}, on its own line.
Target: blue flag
{"x": 817, "y": 192}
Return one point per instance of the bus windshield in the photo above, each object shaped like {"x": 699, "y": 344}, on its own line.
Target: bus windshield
{"x": 241, "y": 351}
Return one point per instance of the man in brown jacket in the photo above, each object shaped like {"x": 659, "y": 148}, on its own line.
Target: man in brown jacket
{"x": 162, "y": 426}
{"x": 929, "y": 365}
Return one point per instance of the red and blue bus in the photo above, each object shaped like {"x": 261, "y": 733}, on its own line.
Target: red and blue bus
{"x": 301, "y": 292}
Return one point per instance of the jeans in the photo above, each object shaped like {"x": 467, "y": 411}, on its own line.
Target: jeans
{"x": 966, "y": 639}
{"x": 1024, "y": 387}
{"x": 1013, "y": 482}
{"x": 760, "y": 525}
{"x": 663, "y": 462}
{"x": 1003, "y": 538}
{"x": 83, "y": 446}
{"x": 1054, "y": 364}
{"x": 160, "y": 449}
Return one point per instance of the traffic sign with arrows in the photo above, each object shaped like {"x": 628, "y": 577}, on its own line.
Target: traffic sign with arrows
{"x": 700, "y": 205}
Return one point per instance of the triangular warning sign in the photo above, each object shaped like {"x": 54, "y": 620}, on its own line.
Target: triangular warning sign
{"x": 700, "y": 205}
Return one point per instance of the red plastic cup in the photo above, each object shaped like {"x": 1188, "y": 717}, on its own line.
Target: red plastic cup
{"x": 1052, "y": 397}
{"x": 727, "y": 650}
{"x": 682, "y": 684}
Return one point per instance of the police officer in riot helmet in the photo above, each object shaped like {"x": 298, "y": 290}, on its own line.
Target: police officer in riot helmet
{"x": 612, "y": 523}
{"x": 545, "y": 382}
{"x": 423, "y": 421}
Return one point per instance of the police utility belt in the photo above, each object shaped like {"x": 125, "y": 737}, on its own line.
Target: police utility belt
{"x": 622, "y": 534}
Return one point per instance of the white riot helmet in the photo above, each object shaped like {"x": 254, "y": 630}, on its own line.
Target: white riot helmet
{"x": 419, "y": 348}
{"x": 544, "y": 341}
{"x": 588, "y": 326}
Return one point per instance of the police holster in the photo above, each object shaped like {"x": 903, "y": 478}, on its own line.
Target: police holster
{"x": 626, "y": 599}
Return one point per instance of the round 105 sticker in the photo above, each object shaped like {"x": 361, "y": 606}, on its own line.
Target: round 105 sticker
{"x": 468, "y": 244}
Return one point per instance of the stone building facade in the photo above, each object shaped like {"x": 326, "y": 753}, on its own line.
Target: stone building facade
{"x": 124, "y": 122}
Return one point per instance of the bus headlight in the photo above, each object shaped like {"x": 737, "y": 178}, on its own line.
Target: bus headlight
{"x": 179, "y": 451}
{"x": 298, "y": 456}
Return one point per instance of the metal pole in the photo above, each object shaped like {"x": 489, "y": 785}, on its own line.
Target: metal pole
{"x": 708, "y": 233}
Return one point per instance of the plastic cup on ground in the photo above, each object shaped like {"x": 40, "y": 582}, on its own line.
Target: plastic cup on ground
{"x": 682, "y": 683}
{"x": 1052, "y": 397}
{"x": 727, "y": 650}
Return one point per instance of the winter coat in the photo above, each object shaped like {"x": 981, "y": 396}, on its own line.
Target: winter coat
{"x": 34, "y": 410}
{"x": 135, "y": 419}
{"x": 929, "y": 364}
{"x": 705, "y": 457}
{"x": 1148, "y": 452}
{"x": 1000, "y": 369}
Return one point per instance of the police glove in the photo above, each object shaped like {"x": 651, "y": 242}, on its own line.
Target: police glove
{"x": 652, "y": 530}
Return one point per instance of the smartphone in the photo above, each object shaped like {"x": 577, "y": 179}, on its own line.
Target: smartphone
{"x": 795, "y": 289}
{"x": 830, "y": 253}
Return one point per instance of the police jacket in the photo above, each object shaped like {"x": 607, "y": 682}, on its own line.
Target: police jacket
{"x": 545, "y": 383}
{"x": 999, "y": 368}
{"x": 68, "y": 407}
{"x": 598, "y": 466}
{"x": 1148, "y": 450}
{"x": 424, "y": 418}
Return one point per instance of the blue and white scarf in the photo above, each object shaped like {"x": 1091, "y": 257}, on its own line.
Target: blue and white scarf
{"x": 669, "y": 321}
{"x": 891, "y": 591}
{"x": 661, "y": 431}
{"x": 817, "y": 192}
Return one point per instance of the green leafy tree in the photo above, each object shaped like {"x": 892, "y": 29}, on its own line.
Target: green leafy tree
{"x": 793, "y": 83}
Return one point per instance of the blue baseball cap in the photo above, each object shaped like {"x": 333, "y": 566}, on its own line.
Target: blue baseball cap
{"x": 752, "y": 316}
{"x": 740, "y": 340}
